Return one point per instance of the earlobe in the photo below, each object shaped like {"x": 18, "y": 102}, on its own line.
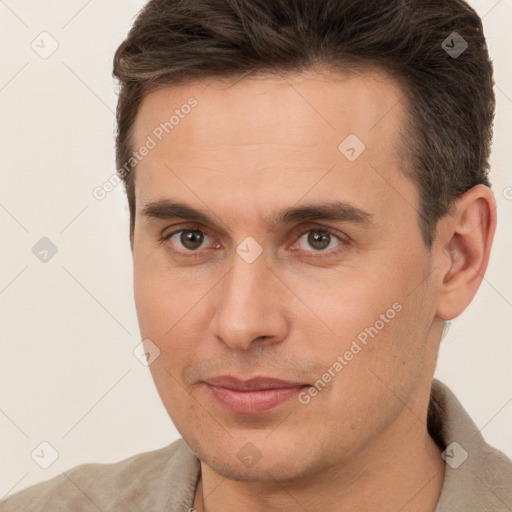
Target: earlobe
{"x": 468, "y": 235}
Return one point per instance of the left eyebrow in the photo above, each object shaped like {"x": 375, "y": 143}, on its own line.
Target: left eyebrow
{"x": 330, "y": 211}
{"x": 167, "y": 209}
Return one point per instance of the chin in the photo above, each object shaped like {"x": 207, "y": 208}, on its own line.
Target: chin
{"x": 259, "y": 473}
{"x": 273, "y": 464}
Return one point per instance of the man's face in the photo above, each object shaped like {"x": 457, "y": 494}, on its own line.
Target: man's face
{"x": 215, "y": 306}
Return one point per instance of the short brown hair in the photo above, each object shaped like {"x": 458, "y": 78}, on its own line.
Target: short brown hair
{"x": 450, "y": 100}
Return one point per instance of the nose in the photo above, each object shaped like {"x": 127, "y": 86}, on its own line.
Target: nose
{"x": 250, "y": 309}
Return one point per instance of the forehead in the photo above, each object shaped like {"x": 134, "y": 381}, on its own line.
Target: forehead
{"x": 268, "y": 140}
{"x": 326, "y": 100}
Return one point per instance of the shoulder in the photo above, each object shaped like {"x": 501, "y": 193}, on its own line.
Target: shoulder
{"x": 146, "y": 481}
{"x": 478, "y": 476}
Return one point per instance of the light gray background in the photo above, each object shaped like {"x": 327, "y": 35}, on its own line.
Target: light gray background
{"x": 67, "y": 372}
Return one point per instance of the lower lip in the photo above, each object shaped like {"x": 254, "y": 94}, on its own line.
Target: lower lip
{"x": 252, "y": 402}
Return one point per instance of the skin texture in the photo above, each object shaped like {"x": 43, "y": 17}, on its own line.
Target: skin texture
{"x": 263, "y": 144}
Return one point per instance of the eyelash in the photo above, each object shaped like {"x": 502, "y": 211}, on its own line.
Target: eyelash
{"x": 298, "y": 233}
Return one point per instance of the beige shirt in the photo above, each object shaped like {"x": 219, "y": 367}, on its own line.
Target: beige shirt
{"x": 166, "y": 479}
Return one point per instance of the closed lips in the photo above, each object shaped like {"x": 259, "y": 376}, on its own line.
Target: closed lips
{"x": 253, "y": 384}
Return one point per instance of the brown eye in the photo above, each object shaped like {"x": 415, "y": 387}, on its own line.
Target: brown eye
{"x": 190, "y": 239}
{"x": 319, "y": 239}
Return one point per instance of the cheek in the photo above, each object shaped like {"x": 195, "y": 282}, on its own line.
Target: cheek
{"x": 150, "y": 302}
{"x": 162, "y": 299}
{"x": 374, "y": 319}
{"x": 342, "y": 303}
{"x": 170, "y": 314}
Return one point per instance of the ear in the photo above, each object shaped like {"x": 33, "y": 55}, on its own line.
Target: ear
{"x": 464, "y": 244}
